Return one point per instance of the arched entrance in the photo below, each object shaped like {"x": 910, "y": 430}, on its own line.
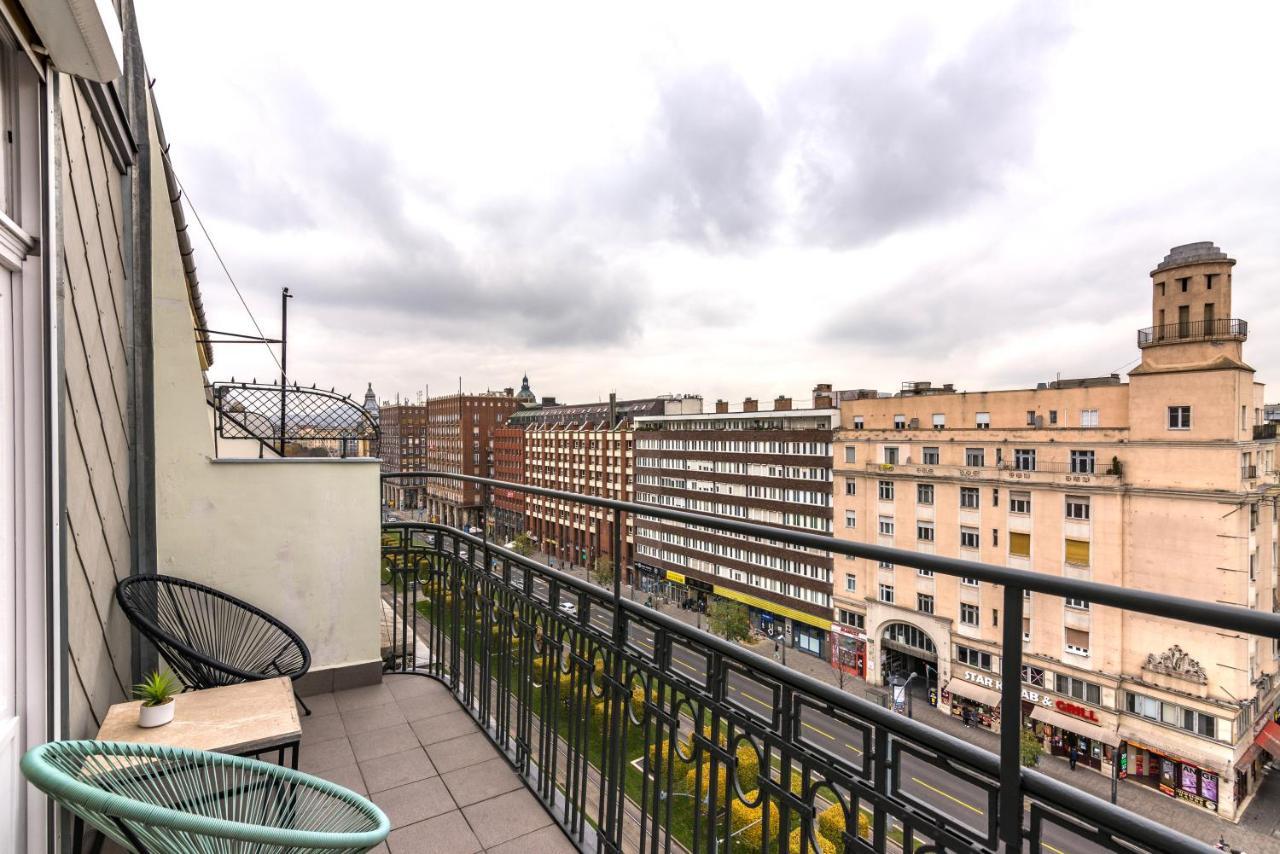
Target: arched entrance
{"x": 907, "y": 651}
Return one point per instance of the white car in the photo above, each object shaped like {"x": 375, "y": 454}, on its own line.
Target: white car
{"x": 569, "y": 608}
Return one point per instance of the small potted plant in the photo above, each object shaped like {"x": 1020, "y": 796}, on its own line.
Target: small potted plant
{"x": 156, "y": 694}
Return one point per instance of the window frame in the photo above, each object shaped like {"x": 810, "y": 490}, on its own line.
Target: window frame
{"x": 1181, "y": 410}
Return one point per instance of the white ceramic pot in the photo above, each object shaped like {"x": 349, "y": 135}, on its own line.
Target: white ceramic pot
{"x": 149, "y": 716}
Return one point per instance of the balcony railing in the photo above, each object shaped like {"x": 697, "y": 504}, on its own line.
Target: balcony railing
{"x": 1248, "y": 472}
{"x": 1219, "y": 329}
{"x": 293, "y": 420}
{"x": 641, "y": 733}
{"x": 1003, "y": 471}
{"x": 1265, "y": 431}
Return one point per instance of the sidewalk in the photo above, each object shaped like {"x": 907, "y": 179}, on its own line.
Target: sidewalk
{"x": 1258, "y": 832}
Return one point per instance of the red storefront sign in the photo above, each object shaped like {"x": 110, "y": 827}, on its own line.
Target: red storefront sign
{"x": 1082, "y": 712}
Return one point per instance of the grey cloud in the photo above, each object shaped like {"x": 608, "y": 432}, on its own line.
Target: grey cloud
{"x": 886, "y": 143}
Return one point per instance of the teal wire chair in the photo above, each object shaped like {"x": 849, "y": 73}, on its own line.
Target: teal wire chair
{"x": 150, "y": 798}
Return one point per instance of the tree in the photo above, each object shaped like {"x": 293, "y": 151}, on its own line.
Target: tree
{"x": 523, "y": 545}
{"x": 729, "y": 620}
{"x": 602, "y": 572}
{"x": 1030, "y": 747}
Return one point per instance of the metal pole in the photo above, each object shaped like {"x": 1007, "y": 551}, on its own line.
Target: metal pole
{"x": 1011, "y": 722}
{"x": 284, "y": 358}
{"x": 1121, "y": 750}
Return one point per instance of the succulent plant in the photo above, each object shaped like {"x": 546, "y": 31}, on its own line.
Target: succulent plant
{"x": 157, "y": 689}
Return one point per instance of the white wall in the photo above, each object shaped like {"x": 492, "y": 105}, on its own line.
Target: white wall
{"x": 299, "y": 538}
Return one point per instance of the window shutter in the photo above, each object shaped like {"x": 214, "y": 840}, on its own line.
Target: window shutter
{"x": 1078, "y": 638}
{"x": 1078, "y": 552}
{"x": 1019, "y": 544}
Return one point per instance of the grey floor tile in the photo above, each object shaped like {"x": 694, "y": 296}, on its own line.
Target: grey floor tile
{"x": 428, "y": 705}
{"x": 324, "y": 755}
{"x": 506, "y": 817}
{"x": 414, "y": 802}
{"x": 479, "y": 782}
{"x": 348, "y": 776}
{"x": 322, "y": 728}
{"x": 406, "y": 687}
{"x": 319, "y": 704}
{"x": 398, "y": 769}
{"x": 461, "y": 752}
{"x": 548, "y": 840}
{"x": 446, "y": 834}
{"x": 444, "y": 727}
{"x": 382, "y": 742}
{"x": 363, "y": 697}
{"x": 369, "y": 718}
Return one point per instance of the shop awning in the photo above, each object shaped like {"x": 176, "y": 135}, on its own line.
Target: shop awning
{"x": 972, "y": 691}
{"x": 773, "y": 607}
{"x": 1269, "y": 739}
{"x": 1044, "y": 714}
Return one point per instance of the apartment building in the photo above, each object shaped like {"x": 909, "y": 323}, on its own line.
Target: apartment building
{"x": 588, "y": 449}
{"x": 772, "y": 467}
{"x": 1165, "y": 482}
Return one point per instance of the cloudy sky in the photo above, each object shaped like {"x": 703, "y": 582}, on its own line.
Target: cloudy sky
{"x": 723, "y": 199}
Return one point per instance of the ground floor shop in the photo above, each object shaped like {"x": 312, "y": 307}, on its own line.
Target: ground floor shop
{"x": 1066, "y": 727}
{"x": 849, "y": 650}
{"x": 790, "y": 626}
{"x": 974, "y": 700}
{"x": 1173, "y": 775}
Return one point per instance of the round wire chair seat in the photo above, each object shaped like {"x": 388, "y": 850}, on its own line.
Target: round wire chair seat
{"x": 209, "y": 637}
{"x": 152, "y": 798}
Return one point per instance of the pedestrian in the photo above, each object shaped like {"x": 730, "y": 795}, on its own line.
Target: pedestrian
{"x": 776, "y": 650}
{"x": 1073, "y": 756}
{"x": 964, "y": 716}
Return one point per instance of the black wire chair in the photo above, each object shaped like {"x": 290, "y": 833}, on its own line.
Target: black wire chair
{"x": 209, "y": 637}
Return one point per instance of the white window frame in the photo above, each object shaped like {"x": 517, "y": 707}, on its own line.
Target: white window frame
{"x": 1179, "y": 409}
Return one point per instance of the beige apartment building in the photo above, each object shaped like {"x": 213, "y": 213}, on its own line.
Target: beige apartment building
{"x": 1166, "y": 482}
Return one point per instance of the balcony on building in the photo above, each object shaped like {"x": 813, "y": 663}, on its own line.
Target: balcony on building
{"x": 1217, "y": 329}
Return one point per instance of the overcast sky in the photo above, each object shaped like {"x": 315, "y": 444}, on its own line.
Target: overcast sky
{"x": 728, "y": 199}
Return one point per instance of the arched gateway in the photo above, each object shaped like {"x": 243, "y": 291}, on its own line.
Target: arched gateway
{"x": 907, "y": 649}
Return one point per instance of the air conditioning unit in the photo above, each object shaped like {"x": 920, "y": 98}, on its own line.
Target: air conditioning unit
{"x": 914, "y": 423}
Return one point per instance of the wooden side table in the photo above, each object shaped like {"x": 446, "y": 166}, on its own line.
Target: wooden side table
{"x": 249, "y": 719}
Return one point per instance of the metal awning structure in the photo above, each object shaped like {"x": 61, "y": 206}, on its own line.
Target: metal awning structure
{"x": 973, "y": 691}
{"x": 1044, "y": 714}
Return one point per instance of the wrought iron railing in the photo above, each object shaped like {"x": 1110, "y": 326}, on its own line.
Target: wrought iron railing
{"x": 1265, "y": 431}
{"x": 1198, "y": 330}
{"x": 292, "y": 420}
{"x": 639, "y": 732}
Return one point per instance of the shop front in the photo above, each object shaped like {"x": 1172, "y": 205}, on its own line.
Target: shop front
{"x": 1175, "y": 776}
{"x": 974, "y": 697}
{"x": 1065, "y": 724}
{"x": 799, "y": 630}
{"x": 849, "y": 650}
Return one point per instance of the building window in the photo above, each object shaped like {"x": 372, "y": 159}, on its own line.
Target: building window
{"x": 850, "y": 453}
{"x": 884, "y": 564}
{"x": 851, "y": 584}
{"x": 1078, "y": 552}
{"x": 924, "y": 603}
{"x": 995, "y": 497}
{"x": 975, "y": 457}
{"x": 1078, "y": 507}
{"x": 1019, "y": 544}
{"x": 853, "y": 618}
{"x": 1077, "y": 642}
{"x": 1053, "y": 416}
{"x": 975, "y": 658}
{"x": 857, "y": 422}
{"x": 969, "y": 582}
{"x": 1179, "y": 417}
{"x": 886, "y": 593}
{"x": 1020, "y": 502}
{"x": 1031, "y": 418}
{"x": 1078, "y": 604}
{"x": 1024, "y": 459}
{"x": 886, "y": 490}
{"x": 850, "y": 519}
{"x": 968, "y": 614}
{"x": 886, "y": 526}
{"x": 899, "y": 422}
{"x": 983, "y": 421}
{"x": 891, "y": 455}
{"x": 1079, "y": 689}
{"x": 924, "y": 532}
{"x": 924, "y": 493}
{"x": 1088, "y": 418}
{"x": 969, "y": 497}
{"x": 1082, "y": 462}
{"x": 1182, "y": 283}
{"x": 968, "y": 538}
{"x": 939, "y": 420}
{"x": 1033, "y": 676}
{"x": 850, "y": 487}
{"x": 931, "y": 456}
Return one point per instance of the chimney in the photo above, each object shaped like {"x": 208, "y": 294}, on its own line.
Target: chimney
{"x": 750, "y": 405}
{"x": 613, "y": 410}
{"x": 548, "y": 401}
{"x": 509, "y": 391}
{"x": 781, "y": 404}
{"x": 822, "y": 396}
{"x": 722, "y": 406}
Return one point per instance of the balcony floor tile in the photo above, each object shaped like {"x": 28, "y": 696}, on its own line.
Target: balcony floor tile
{"x": 440, "y": 780}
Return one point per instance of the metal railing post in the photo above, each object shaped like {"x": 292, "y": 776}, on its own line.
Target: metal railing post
{"x": 1011, "y": 721}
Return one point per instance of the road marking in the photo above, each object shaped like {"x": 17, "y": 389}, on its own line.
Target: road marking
{"x": 854, "y": 749}
{"x": 949, "y": 797}
{"x": 1044, "y": 844}
{"x": 818, "y": 731}
{"x": 754, "y": 699}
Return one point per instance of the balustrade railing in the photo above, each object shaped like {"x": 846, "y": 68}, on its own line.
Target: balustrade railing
{"x": 639, "y": 732}
{"x": 1194, "y": 330}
